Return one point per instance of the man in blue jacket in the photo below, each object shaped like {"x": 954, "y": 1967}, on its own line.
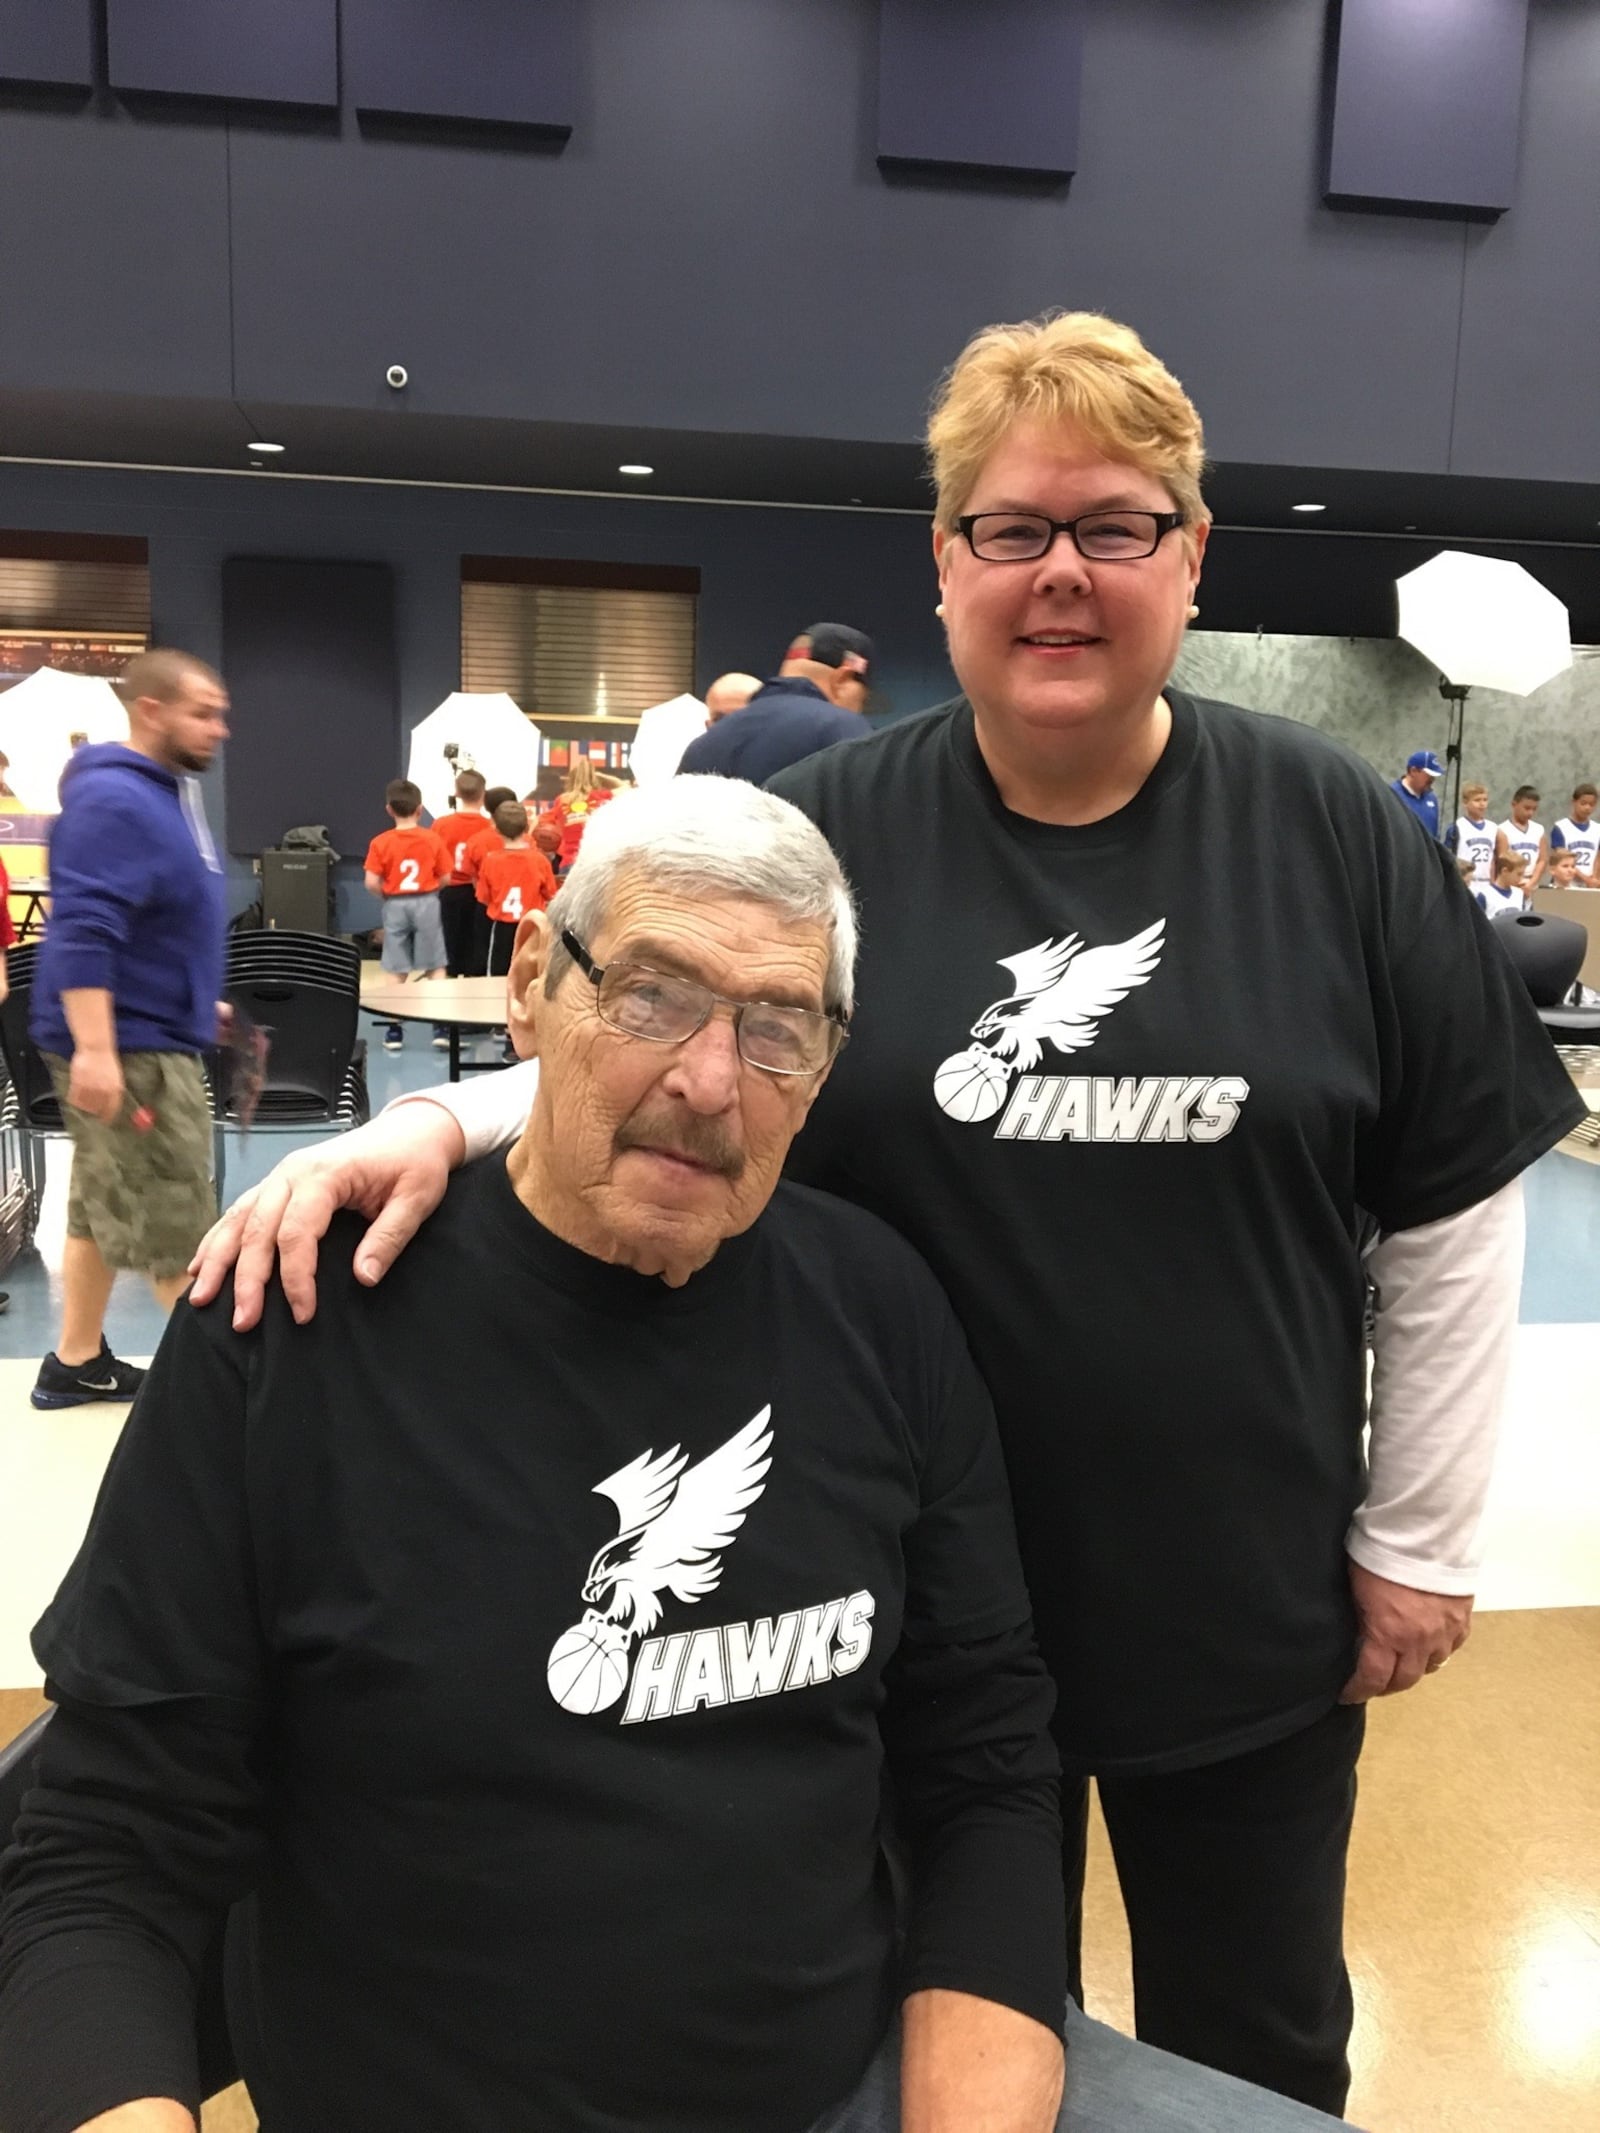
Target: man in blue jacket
{"x": 124, "y": 1002}
{"x": 816, "y": 699}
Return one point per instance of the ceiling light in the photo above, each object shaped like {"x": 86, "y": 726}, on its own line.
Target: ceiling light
{"x": 266, "y": 447}
{"x": 1308, "y": 507}
{"x": 631, "y": 468}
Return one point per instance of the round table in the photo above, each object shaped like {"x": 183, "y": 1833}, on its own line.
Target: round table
{"x": 455, "y": 1004}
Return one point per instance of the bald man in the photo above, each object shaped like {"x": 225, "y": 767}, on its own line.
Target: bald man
{"x": 729, "y": 692}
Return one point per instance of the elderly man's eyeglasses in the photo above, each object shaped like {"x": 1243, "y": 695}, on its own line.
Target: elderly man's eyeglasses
{"x": 663, "y": 1008}
{"x": 1101, "y": 536}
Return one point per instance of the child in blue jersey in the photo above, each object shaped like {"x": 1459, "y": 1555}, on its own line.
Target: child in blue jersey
{"x": 1579, "y": 834}
{"x": 1520, "y": 833}
{"x": 1472, "y": 835}
{"x": 1505, "y": 892}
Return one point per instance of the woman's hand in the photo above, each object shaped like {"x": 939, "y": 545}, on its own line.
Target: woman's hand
{"x": 1405, "y": 1633}
{"x": 394, "y": 1171}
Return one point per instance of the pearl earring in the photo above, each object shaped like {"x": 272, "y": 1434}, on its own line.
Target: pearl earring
{"x": 939, "y": 610}
{"x": 1193, "y": 611}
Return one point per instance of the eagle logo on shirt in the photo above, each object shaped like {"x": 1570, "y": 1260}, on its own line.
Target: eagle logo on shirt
{"x": 1061, "y": 992}
{"x": 674, "y": 1522}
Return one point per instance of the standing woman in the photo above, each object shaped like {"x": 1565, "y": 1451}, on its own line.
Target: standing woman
{"x": 570, "y": 812}
{"x": 1139, "y": 1106}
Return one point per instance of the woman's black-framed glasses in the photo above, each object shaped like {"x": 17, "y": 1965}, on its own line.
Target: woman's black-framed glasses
{"x": 1101, "y": 536}
{"x": 664, "y": 1008}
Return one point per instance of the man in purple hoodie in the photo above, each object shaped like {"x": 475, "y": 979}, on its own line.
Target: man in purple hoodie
{"x": 124, "y": 1001}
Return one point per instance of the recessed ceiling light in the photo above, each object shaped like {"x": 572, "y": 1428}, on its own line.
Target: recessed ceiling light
{"x": 1308, "y": 507}
{"x": 259, "y": 447}
{"x": 631, "y": 468}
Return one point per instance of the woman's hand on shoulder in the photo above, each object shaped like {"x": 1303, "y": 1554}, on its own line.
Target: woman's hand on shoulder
{"x": 394, "y": 1171}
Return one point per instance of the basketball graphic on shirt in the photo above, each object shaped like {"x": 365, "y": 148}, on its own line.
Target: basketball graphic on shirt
{"x": 971, "y": 1085}
{"x": 1061, "y": 991}
{"x": 588, "y": 1665}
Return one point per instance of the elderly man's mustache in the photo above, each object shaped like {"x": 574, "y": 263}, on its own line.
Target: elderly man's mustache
{"x": 685, "y": 1134}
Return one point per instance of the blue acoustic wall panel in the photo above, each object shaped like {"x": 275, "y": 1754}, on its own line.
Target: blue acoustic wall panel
{"x": 1427, "y": 104}
{"x": 985, "y": 84}
{"x": 309, "y": 652}
{"x": 235, "y": 51}
{"x": 47, "y": 41}
{"x": 492, "y": 62}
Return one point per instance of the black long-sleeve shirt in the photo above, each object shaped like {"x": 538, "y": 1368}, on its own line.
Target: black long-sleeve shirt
{"x": 522, "y": 1648}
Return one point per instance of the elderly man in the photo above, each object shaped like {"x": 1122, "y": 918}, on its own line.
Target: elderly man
{"x": 539, "y": 1716}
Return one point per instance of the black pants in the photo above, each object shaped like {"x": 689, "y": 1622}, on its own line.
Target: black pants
{"x": 502, "y": 939}
{"x": 1233, "y": 1881}
{"x": 460, "y": 914}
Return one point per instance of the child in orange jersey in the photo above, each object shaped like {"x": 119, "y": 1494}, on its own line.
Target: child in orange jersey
{"x": 458, "y": 902}
{"x": 512, "y": 881}
{"x": 405, "y": 866}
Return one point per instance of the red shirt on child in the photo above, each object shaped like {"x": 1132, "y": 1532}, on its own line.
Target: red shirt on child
{"x": 514, "y": 881}
{"x": 455, "y": 832}
{"x": 410, "y": 861}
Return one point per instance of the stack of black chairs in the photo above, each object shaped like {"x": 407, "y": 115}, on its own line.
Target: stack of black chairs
{"x": 29, "y": 1110}
{"x": 304, "y": 990}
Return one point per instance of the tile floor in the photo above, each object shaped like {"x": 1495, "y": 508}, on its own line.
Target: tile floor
{"x": 1474, "y": 1919}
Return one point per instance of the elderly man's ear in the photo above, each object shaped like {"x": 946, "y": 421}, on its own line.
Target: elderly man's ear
{"x": 530, "y": 958}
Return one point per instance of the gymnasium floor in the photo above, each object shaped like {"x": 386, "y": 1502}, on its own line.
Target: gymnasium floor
{"x": 1474, "y": 1920}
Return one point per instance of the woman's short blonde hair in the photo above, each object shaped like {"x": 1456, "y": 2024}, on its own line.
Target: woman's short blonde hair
{"x": 1074, "y": 368}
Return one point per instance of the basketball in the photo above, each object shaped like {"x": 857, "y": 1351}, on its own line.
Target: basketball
{"x": 588, "y": 1666}
{"x": 971, "y": 1085}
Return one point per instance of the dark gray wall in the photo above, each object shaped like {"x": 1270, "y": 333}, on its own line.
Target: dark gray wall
{"x": 764, "y": 574}
{"x": 716, "y": 247}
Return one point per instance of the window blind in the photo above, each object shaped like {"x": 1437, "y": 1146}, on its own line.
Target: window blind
{"x": 74, "y": 598}
{"x": 577, "y": 651}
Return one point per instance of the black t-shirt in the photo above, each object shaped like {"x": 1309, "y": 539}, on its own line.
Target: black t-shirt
{"x": 531, "y": 1639}
{"x": 1130, "y": 1088}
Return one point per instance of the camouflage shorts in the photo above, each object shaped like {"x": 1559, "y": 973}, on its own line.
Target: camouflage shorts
{"x": 146, "y": 1198}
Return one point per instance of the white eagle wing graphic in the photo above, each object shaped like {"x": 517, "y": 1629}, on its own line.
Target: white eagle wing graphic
{"x": 1062, "y": 991}
{"x": 642, "y": 1489}
{"x": 677, "y": 1548}
{"x": 1038, "y": 968}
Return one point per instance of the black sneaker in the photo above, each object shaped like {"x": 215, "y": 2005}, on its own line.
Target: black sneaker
{"x": 103, "y": 1379}
{"x": 393, "y": 1038}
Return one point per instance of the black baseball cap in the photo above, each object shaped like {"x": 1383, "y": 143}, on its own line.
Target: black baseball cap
{"x": 833, "y": 644}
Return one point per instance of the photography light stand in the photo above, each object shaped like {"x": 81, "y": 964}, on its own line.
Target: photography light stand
{"x": 1455, "y": 694}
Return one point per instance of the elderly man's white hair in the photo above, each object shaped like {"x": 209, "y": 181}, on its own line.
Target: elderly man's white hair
{"x": 721, "y": 837}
